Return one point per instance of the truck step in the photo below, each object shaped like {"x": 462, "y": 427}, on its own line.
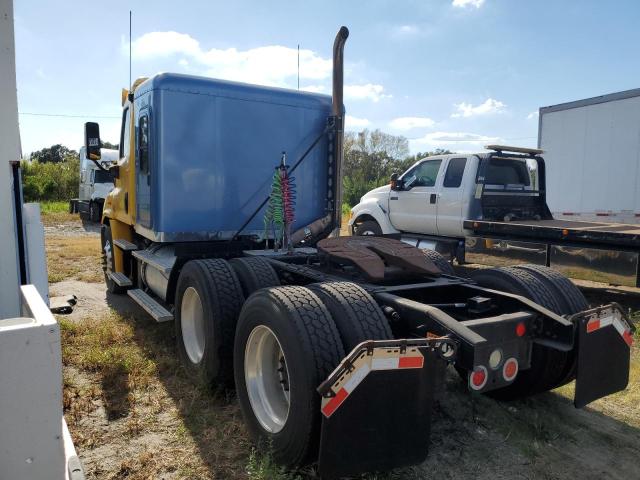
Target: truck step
{"x": 120, "y": 279}
{"x": 159, "y": 263}
{"x": 153, "y": 308}
{"x": 125, "y": 245}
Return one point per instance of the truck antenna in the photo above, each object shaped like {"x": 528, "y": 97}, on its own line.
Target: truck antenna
{"x": 130, "y": 84}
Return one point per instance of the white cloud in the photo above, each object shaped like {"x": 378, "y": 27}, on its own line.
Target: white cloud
{"x": 407, "y": 30}
{"x": 460, "y": 142}
{"x": 273, "y": 65}
{"x": 488, "y": 107}
{"x": 408, "y": 123}
{"x": 355, "y": 122}
{"x": 532, "y": 115}
{"x": 467, "y": 3}
{"x": 368, "y": 91}
{"x": 314, "y": 88}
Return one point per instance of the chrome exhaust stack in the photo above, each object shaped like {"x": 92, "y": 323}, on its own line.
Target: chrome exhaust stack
{"x": 338, "y": 114}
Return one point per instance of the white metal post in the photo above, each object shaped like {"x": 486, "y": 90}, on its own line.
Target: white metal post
{"x": 9, "y": 151}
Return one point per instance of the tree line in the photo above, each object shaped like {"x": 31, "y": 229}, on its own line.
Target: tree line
{"x": 370, "y": 157}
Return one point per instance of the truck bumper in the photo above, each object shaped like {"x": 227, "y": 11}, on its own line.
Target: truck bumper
{"x": 604, "y": 339}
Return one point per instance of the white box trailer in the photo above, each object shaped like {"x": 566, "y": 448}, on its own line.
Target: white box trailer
{"x": 592, "y": 153}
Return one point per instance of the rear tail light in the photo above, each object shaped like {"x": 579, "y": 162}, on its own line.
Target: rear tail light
{"x": 478, "y": 378}
{"x": 521, "y": 329}
{"x": 510, "y": 369}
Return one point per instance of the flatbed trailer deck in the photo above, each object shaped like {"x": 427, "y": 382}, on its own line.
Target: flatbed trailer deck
{"x": 616, "y": 237}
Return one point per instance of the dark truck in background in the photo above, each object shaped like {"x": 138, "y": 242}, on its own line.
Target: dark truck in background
{"x": 490, "y": 208}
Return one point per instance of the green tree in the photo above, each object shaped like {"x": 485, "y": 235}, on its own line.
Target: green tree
{"x": 55, "y": 154}
{"x": 57, "y": 181}
{"x": 111, "y": 146}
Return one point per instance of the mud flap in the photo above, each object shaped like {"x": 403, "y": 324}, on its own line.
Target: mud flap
{"x": 376, "y": 406}
{"x": 605, "y": 337}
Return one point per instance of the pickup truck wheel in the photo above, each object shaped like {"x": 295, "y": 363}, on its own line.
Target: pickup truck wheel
{"x": 94, "y": 212}
{"x": 368, "y": 228}
{"x": 254, "y": 273}
{"x": 286, "y": 344}
{"x": 356, "y": 315}
{"x": 208, "y": 301}
{"x": 547, "y": 365}
{"x": 440, "y": 262}
{"x": 108, "y": 261}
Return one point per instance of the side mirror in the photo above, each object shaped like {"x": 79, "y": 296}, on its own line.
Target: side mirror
{"x": 92, "y": 141}
{"x": 394, "y": 181}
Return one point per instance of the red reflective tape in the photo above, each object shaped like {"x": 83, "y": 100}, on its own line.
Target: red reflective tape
{"x": 593, "y": 325}
{"x": 333, "y": 404}
{"x": 568, "y": 213}
{"x": 628, "y": 337}
{"x": 411, "y": 362}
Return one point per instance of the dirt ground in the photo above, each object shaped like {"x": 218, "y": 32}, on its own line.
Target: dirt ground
{"x": 134, "y": 414}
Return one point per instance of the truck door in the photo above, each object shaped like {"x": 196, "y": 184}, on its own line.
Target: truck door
{"x": 414, "y": 208}
{"x": 451, "y": 198}
{"x": 143, "y": 168}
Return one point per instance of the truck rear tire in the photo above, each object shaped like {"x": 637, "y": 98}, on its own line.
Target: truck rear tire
{"x": 108, "y": 261}
{"x": 439, "y": 261}
{"x": 574, "y": 301}
{"x": 286, "y": 345}
{"x": 208, "y": 301}
{"x": 356, "y": 315}
{"x": 548, "y": 366}
{"x": 95, "y": 212}
{"x": 571, "y": 295}
{"x": 368, "y": 228}
{"x": 254, "y": 273}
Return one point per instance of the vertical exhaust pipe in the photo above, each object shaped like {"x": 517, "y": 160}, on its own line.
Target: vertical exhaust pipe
{"x": 333, "y": 219}
{"x": 338, "y": 113}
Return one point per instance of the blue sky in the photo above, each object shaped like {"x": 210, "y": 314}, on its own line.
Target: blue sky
{"x": 452, "y": 74}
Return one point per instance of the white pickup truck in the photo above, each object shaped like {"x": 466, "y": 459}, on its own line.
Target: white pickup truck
{"x": 488, "y": 202}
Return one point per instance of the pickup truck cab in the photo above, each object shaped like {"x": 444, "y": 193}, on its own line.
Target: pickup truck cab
{"x": 437, "y": 194}
{"x": 493, "y": 204}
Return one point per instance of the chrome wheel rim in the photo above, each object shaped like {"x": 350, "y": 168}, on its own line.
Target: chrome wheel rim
{"x": 108, "y": 256}
{"x": 267, "y": 379}
{"x": 192, "y": 325}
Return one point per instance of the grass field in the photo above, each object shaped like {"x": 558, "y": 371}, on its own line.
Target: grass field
{"x": 134, "y": 413}
{"x": 71, "y": 257}
{"x": 54, "y": 213}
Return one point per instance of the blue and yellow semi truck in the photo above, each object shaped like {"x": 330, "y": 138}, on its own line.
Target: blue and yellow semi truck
{"x": 224, "y": 219}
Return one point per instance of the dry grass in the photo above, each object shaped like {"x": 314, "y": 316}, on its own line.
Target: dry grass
{"x": 133, "y": 412}
{"x": 73, "y": 258}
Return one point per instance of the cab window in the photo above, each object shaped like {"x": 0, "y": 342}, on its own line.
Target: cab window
{"x": 455, "y": 170}
{"x": 101, "y": 176}
{"x": 425, "y": 174}
{"x": 124, "y": 133}
{"x": 143, "y": 143}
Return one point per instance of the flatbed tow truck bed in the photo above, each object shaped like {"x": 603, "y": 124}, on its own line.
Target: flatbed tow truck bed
{"x": 564, "y": 233}
{"x": 585, "y": 233}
